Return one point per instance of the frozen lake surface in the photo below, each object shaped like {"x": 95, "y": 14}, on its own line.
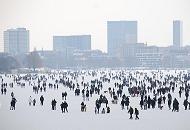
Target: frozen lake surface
{"x": 39, "y": 117}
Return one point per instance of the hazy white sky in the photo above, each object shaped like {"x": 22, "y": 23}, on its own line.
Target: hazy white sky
{"x": 45, "y": 18}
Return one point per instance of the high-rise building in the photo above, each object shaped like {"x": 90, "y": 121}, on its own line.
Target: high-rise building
{"x": 119, "y": 34}
{"x": 16, "y": 41}
{"x": 177, "y": 33}
{"x": 74, "y": 42}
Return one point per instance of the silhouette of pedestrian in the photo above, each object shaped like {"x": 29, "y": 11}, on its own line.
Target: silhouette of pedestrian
{"x": 185, "y": 103}
{"x": 62, "y": 106}
{"x": 34, "y": 102}
{"x": 53, "y": 103}
{"x": 131, "y": 112}
{"x": 175, "y": 105}
{"x": 13, "y": 103}
{"x": 108, "y": 109}
{"x": 136, "y": 114}
{"x": 2, "y": 90}
{"x": 5, "y": 91}
{"x": 30, "y": 101}
{"x": 42, "y": 100}
{"x": 65, "y": 106}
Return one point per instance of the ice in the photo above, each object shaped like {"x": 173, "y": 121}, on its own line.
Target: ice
{"x": 39, "y": 117}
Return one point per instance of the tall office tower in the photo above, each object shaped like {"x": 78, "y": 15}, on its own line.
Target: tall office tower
{"x": 79, "y": 42}
{"x": 177, "y": 33}
{"x": 119, "y": 34}
{"x": 16, "y": 41}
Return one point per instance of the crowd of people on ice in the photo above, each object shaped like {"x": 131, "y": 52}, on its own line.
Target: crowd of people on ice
{"x": 154, "y": 90}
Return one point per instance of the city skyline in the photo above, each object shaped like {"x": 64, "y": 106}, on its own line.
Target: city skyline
{"x": 47, "y": 18}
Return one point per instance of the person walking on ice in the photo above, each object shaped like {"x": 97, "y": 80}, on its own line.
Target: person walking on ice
{"x": 131, "y": 112}
{"x": 136, "y": 113}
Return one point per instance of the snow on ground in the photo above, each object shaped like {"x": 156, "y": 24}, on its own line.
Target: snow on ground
{"x": 27, "y": 117}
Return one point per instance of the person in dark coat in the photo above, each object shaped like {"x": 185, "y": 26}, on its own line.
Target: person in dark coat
{"x": 160, "y": 102}
{"x": 153, "y": 103}
{"x": 175, "y": 105}
{"x": 13, "y": 103}
{"x": 30, "y": 100}
{"x": 169, "y": 103}
{"x": 180, "y": 92}
{"x": 5, "y": 91}
{"x": 65, "y": 106}
{"x": 169, "y": 100}
{"x": 34, "y": 102}
{"x": 131, "y": 112}
{"x": 42, "y": 100}
{"x": 186, "y": 95}
{"x": 185, "y": 103}
{"x": 108, "y": 109}
{"x": 62, "y": 106}
{"x": 82, "y": 104}
{"x": 83, "y": 107}
{"x": 65, "y": 95}
{"x": 122, "y": 104}
{"x": 53, "y": 103}
{"x": 127, "y": 102}
{"x": 97, "y": 106}
{"x": 2, "y": 90}
{"x": 164, "y": 99}
{"x": 136, "y": 113}
{"x": 149, "y": 101}
{"x": 141, "y": 103}
{"x": 87, "y": 96}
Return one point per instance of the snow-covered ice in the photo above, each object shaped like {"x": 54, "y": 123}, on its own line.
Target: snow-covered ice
{"x": 39, "y": 117}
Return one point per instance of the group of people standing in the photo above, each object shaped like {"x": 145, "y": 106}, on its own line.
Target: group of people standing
{"x": 153, "y": 90}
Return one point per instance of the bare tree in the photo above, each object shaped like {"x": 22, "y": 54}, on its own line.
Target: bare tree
{"x": 34, "y": 60}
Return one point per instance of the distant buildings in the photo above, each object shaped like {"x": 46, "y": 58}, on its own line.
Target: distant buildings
{"x": 74, "y": 42}
{"x": 123, "y": 50}
{"x": 177, "y": 33}
{"x": 141, "y": 55}
{"x": 16, "y": 41}
{"x": 119, "y": 35}
{"x": 148, "y": 56}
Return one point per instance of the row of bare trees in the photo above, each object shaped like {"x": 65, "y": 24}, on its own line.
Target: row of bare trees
{"x": 31, "y": 60}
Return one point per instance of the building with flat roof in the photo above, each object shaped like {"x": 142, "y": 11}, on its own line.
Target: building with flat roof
{"x": 75, "y": 42}
{"x": 119, "y": 34}
{"x": 16, "y": 41}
